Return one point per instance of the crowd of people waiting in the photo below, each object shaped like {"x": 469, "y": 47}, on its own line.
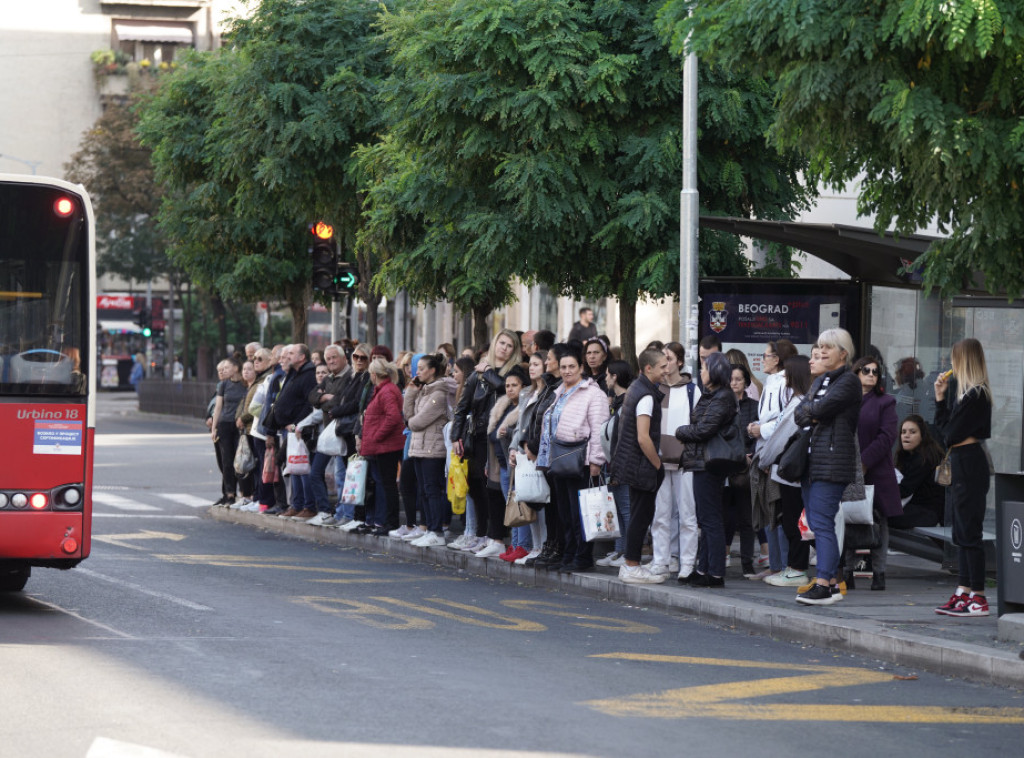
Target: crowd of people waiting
{"x": 529, "y": 398}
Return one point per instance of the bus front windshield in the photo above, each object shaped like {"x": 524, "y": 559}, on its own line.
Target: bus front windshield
{"x": 44, "y": 251}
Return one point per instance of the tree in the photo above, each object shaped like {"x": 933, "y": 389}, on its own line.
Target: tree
{"x": 255, "y": 141}
{"x": 921, "y": 103}
{"x": 543, "y": 142}
{"x": 117, "y": 172}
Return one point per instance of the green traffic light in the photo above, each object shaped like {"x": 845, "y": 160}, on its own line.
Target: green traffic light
{"x": 147, "y": 332}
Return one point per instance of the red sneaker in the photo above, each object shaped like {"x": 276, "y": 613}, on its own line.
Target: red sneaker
{"x": 519, "y": 552}
{"x": 955, "y": 600}
{"x": 975, "y": 605}
{"x": 505, "y": 556}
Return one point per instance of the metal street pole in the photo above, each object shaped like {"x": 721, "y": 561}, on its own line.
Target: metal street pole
{"x": 689, "y": 219}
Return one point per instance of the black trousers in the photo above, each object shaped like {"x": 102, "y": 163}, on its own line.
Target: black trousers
{"x": 641, "y": 514}
{"x": 792, "y": 505}
{"x": 566, "y": 493}
{"x": 970, "y": 485}
{"x": 227, "y": 443}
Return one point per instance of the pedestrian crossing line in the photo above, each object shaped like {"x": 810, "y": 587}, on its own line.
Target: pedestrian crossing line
{"x": 121, "y": 503}
{"x": 192, "y": 501}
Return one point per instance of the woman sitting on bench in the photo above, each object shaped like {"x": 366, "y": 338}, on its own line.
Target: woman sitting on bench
{"x": 924, "y": 501}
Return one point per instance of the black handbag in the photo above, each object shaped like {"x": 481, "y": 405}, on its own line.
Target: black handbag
{"x": 346, "y": 425}
{"x": 567, "y": 459}
{"x": 725, "y": 454}
{"x": 794, "y": 458}
{"x": 862, "y": 536}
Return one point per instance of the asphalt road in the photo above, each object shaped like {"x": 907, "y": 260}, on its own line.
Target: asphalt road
{"x": 191, "y": 637}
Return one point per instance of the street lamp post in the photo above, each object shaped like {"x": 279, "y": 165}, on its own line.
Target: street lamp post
{"x": 689, "y": 218}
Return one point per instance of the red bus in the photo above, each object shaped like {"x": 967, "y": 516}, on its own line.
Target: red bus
{"x": 47, "y": 375}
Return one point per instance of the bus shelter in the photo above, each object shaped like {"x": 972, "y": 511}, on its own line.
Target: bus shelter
{"x": 888, "y": 314}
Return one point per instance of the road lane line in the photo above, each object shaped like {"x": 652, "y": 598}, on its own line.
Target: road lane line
{"x": 97, "y": 624}
{"x": 121, "y": 503}
{"x": 510, "y": 623}
{"x": 143, "y": 590}
{"x": 147, "y": 515}
{"x": 192, "y": 501}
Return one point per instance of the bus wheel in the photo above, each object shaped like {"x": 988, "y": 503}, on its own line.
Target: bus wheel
{"x": 14, "y": 580}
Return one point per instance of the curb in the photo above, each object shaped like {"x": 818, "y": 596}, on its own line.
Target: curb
{"x": 863, "y": 637}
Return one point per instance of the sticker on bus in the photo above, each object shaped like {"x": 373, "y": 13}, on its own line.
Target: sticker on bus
{"x": 57, "y": 438}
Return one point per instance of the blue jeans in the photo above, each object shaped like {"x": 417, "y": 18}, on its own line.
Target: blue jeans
{"x": 707, "y": 494}
{"x": 621, "y": 494}
{"x": 821, "y": 501}
{"x": 317, "y": 483}
{"x": 430, "y": 491}
{"x": 302, "y": 494}
{"x": 778, "y": 548}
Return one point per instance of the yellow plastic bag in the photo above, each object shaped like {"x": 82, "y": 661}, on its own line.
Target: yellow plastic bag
{"x": 458, "y": 484}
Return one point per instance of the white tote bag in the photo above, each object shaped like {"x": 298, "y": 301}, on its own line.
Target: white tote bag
{"x": 353, "y": 490}
{"x": 531, "y": 485}
{"x": 298, "y": 457}
{"x": 598, "y": 514}
{"x": 330, "y": 443}
{"x": 860, "y": 511}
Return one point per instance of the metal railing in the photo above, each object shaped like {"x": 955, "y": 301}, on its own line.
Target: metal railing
{"x": 189, "y": 399}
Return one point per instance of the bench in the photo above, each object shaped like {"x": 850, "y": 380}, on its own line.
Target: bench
{"x": 928, "y": 542}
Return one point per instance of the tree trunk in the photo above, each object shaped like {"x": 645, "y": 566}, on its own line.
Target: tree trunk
{"x": 298, "y": 303}
{"x": 481, "y": 339}
{"x": 220, "y": 319}
{"x": 627, "y": 331}
{"x": 370, "y": 299}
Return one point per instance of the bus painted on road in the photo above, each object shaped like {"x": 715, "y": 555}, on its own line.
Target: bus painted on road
{"x": 47, "y": 375}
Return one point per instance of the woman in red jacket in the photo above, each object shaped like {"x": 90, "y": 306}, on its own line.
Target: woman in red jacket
{"x": 381, "y": 443}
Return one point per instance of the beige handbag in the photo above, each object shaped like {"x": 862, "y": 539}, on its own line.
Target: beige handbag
{"x": 517, "y": 513}
{"x": 944, "y": 472}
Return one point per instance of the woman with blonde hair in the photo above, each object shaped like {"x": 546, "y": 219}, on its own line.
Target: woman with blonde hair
{"x": 831, "y": 408}
{"x": 469, "y": 437}
{"x": 964, "y": 422}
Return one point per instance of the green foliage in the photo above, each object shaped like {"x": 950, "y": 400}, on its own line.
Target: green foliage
{"x": 543, "y": 141}
{"x": 253, "y": 142}
{"x": 117, "y": 172}
{"x": 921, "y": 102}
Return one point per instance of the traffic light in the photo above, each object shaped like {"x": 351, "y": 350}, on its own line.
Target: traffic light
{"x": 346, "y": 279}
{"x": 144, "y": 320}
{"x": 324, "y": 254}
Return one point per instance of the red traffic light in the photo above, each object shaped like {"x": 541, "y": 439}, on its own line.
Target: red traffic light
{"x": 322, "y": 230}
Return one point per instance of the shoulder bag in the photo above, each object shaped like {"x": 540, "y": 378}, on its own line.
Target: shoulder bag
{"x": 944, "y": 471}
{"x": 518, "y": 513}
{"x": 794, "y": 458}
{"x": 725, "y": 454}
{"x": 567, "y": 459}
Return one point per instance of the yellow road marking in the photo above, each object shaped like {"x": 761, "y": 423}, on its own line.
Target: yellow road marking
{"x": 711, "y": 701}
{"x": 508, "y": 623}
{"x": 145, "y": 534}
{"x": 582, "y": 619}
{"x": 372, "y": 615}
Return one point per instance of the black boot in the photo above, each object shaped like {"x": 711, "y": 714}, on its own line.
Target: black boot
{"x": 850, "y": 583}
{"x": 878, "y": 580}
{"x": 545, "y": 555}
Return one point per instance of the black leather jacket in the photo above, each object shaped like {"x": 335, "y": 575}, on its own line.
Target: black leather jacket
{"x": 832, "y": 408}
{"x": 711, "y": 413}
{"x": 476, "y": 402}
{"x": 533, "y": 426}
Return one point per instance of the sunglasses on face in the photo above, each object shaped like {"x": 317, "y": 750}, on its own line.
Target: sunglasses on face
{"x": 870, "y": 372}
{"x": 359, "y": 357}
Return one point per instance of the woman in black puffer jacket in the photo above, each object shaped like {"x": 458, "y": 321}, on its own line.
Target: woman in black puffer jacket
{"x": 832, "y": 409}
{"x": 469, "y": 431}
{"x": 715, "y": 410}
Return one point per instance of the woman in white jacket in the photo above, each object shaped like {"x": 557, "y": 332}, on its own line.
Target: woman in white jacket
{"x": 769, "y": 409}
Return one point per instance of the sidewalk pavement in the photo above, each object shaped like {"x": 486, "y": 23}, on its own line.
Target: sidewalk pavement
{"x": 898, "y": 625}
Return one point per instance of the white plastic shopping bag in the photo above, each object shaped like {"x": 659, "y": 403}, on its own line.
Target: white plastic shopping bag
{"x": 598, "y": 514}
{"x": 298, "y": 457}
{"x": 353, "y": 491}
{"x": 531, "y": 485}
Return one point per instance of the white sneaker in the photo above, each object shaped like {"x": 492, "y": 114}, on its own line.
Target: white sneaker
{"x": 787, "y": 578}
{"x": 639, "y": 575}
{"x": 658, "y": 569}
{"x": 492, "y": 549}
{"x": 532, "y": 554}
{"x": 400, "y": 532}
{"x": 318, "y": 519}
{"x": 673, "y": 566}
{"x": 477, "y": 543}
{"x": 350, "y": 525}
{"x": 415, "y": 534}
{"x": 619, "y": 562}
{"x": 459, "y": 542}
{"x": 762, "y": 561}
{"x": 430, "y": 539}
{"x": 608, "y": 559}
{"x": 250, "y": 508}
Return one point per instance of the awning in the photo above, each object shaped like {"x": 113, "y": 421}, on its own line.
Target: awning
{"x": 858, "y": 251}
{"x": 181, "y": 35}
{"x": 109, "y": 325}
